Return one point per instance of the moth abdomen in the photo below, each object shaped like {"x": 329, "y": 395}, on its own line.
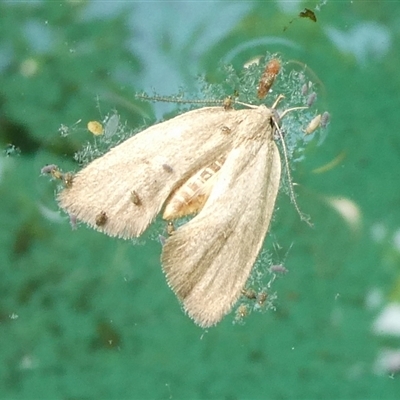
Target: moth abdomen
{"x": 191, "y": 196}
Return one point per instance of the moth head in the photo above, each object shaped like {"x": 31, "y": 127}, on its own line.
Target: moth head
{"x": 276, "y": 123}
{"x": 276, "y": 118}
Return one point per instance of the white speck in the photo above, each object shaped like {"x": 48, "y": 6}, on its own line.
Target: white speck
{"x": 388, "y": 361}
{"x": 388, "y": 322}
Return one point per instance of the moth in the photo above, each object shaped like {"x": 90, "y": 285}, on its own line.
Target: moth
{"x": 219, "y": 164}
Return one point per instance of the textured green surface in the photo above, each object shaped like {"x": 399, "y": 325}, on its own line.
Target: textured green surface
{"x": 83, "y": 316}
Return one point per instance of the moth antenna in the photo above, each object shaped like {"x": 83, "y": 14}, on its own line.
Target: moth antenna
{"x": 303, "y": 217}
{"x": 292, "y": 109}
{"x": 176, "y": 100}
{"x": 246, "y": 104}
{"x": 281, "y": 97}
{"x": 278, "y": 99}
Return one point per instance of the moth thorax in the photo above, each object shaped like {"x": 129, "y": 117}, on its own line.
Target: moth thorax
{"x": 192, "y": 195}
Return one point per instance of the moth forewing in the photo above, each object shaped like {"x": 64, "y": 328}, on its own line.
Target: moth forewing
{"x": 208, "y": 260}
{"x": 191, "y": 141}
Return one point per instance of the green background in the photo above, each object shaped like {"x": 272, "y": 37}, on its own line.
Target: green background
{"x": 83, "y": 316}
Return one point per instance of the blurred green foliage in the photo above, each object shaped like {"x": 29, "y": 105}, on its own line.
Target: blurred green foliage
{"x": 56, "y": 63}
{"x": 86, "y": 316}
